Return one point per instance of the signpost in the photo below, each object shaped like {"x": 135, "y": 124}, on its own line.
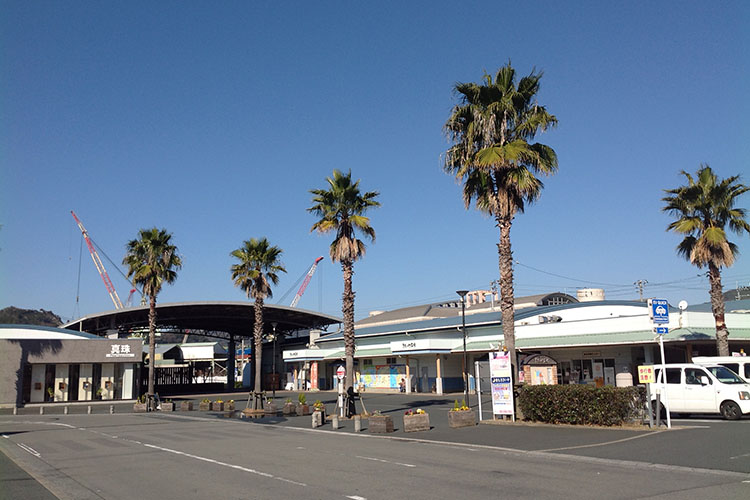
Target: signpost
{"x": 340, "y": 373}
{"x": 502, "y": 384}
{"x": 646, "y": 376}
{"x": 658, "y": 310}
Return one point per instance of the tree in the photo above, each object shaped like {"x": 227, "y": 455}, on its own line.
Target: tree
{"x": 152, "y": 260}
{"x": 704, "y": 209}
{"x": 258, "y": 265}
{"x": 341, "y": 209}
{"x": 491, "y": 129}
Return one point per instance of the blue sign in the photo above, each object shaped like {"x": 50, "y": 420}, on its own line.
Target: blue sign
{"x": 659, "y": 309}
{"x": 662, "y": 330}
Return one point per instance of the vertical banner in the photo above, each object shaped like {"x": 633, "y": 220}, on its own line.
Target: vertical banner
{"x": 502, "y": 384}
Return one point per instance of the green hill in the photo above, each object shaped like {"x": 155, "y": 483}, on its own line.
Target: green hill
{"x": 15, "y": 316}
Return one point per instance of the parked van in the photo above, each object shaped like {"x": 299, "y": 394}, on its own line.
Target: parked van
{"x": 738, "y": 364}
{"x": 711, "y": 389}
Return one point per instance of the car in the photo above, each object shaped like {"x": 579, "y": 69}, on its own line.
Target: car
{"x": 705, "y": 389}
{"x": 738, "y": 364}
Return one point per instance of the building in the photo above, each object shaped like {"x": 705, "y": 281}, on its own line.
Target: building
{"x": 45, "y": 364}
{"x": 593, "y": 341}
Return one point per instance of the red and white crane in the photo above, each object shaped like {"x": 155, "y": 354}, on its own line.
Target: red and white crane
{"x": 99, "y": 264}
{"x": 308, "y": 277}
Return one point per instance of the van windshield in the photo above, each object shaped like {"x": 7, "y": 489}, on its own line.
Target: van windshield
{"x": 725, "y": 375}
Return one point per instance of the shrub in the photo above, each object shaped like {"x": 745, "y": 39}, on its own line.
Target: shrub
{"x": 580, "y": 404}
{"x": 302, "y": 399}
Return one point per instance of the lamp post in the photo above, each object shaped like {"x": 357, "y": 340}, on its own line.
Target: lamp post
{"x": 462, "y": 294}
{"x": 273, "y": 362}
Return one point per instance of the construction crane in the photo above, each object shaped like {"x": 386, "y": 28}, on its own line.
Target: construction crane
{"x": 99, "y": 264}
{"x": 308, "y": 277}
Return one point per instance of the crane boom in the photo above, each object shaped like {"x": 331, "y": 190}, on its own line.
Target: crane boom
{"x": 304, "y": 284}
{"x": 99, "y": 264}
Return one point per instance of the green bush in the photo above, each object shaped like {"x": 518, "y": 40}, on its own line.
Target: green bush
{"x": 580, "y": 404}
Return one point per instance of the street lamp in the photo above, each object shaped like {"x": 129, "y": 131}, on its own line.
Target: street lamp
{"x": 462, "y": 294}
{"x": 273, "y": 362}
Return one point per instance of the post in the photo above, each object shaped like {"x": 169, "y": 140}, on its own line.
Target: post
{"x": 231, "y": 363}
{"x": 664, "y": 376}
{"x": 273, "y": 362}
{"x": 650, "y": 409}
{"x": 408, "y": 377}
{"x": 439, "y": 378}
{"x": 463, "y": 293}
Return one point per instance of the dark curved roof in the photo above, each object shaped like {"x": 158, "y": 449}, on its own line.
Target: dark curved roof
{"x": 236, "y": 318}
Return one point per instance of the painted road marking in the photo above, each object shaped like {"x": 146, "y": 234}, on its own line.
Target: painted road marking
{"x": 602, "y": 444}
{"x": 5, "y": 436}
{"x": 740, "y": 456}
{"x": 355, "y": 497}
{"x": 384, "y": 461}
{"x": 29, "y": 449}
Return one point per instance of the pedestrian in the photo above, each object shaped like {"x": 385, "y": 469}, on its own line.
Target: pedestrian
{"x": 402, "y": 386}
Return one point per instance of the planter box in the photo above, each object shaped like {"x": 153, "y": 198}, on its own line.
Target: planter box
{"x": 186, "y": 406}
{"x": 229, "y": 406}
{"x": 215, "y": 406}
{"x": 462, "y": 418}
{"x": 167, "y": 407}
{"x": 303, "y": 410}
{"x": 272, "y": 409}
{"x": 204, "y": 406}
{"x": 289, "y": 409}
{"x": 140, "y": 408}
{"x": 380, "y": 424}
{"x": 417, "y": 422}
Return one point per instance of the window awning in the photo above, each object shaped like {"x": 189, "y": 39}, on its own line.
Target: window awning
{"x": 362, "y": 353}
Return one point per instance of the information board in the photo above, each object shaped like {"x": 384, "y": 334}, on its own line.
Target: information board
{"x": 502, "y": 383}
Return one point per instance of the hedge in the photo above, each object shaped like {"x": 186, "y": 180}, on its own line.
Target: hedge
{"x": 580, "y": 404}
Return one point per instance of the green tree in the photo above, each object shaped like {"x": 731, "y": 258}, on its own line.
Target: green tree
{"x": 152, "y": 260}
{"x": 258, "y": 267}
{"x": 704, "y": 210}
{"x": 492, "y": 154}
{"x": 341, "y": 209}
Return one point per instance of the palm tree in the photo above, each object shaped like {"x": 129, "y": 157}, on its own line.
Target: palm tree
{"x": 258, "y": 265}
{"x": 152, "y": 260}
{"x": 341, "y": 208}
{"x": 491, "y": 129}
{"x": 704, "y": 209}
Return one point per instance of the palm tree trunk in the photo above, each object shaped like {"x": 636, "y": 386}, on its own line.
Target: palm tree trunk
{"x": 717, "y": 307}
{"x": 151, "y": 347}
{"x": 505, "y": 257}
{"x": 258, "y": 348}
{"x": 347, "y": 266}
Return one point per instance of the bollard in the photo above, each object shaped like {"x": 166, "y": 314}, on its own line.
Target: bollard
{"x": 89, "y": 410}
{"x": 65, "y": 410}
{"x": 357, "y": 423}
{"x": 111, "y": 409}
{"x": 15, "y": 410}
{"x": 335, "y": 422}
{"x": 41, "y": 410}
{"x": 315, "y": 419}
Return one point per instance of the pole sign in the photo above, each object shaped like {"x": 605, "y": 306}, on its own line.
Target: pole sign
{"x": 340, "y": 372}
{"x": 659, "y": 311}
{"x": 661, "y": 330}
{"x": 646, "y": 374}
{"x": 502, "y": 385}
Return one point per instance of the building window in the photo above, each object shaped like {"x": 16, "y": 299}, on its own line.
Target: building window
{"x": 366, "y": 362}
{"x": 390, "y": 361}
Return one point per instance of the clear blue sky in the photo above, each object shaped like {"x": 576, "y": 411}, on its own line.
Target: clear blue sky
{"x": 215, "y": 121}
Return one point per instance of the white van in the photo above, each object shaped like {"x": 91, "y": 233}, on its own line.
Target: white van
{"x": 692, "y": 388}
{"x": 738, "y": 364}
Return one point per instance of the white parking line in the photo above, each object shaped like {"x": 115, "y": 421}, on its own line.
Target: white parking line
{"x": 602, "y": 444}
{"x": 29, "y": 449}
{"x": 384, "y": 461}
{"x": 355, "y": 497}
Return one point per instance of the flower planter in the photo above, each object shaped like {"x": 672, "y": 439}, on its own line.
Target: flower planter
{"x": 229, "y": 406}
{"x": 417, "y": 422}
{"x": 462, "y": 418}
{"x": 140, "y": 408}
{"x": 271, "y": 409}
{"x": 303, "y": 410}
{"x": 380, "y": 424}
{"x": 166, "y": 407}
{"x": 186, "y": 406}
{"x": 289, "y": 409}
{"x": 216, "y": 406}
{"x": 204, "y": 406}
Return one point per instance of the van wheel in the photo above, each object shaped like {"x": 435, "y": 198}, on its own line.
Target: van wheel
{"x": 730, "y": 410}
{"x": 661, "y": 410}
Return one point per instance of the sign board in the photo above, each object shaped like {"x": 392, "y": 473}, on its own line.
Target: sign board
{"x": 502, "y": 385}
{"x": 646, "y": 374}
{"x": 340, "y": 372}
{"x": 661, "y": 330}
{"x": 659, "y": 311}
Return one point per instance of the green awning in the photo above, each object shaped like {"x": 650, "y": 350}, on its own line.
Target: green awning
{"x": 362, "y": 353}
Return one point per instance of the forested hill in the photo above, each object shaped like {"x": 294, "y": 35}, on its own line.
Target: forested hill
{"x": 15, "y": 316}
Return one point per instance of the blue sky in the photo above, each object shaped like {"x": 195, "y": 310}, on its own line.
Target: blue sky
{"x": 215, "y": 121}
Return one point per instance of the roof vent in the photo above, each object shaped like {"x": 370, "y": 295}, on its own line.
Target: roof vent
{"x": 550, "y": 319}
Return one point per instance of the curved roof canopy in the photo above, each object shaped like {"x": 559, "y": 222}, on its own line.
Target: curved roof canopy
{"x": 216, "y": 319}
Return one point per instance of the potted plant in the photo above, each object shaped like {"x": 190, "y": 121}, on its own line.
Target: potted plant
{"x": 229, "y": 405}
{"x": 270, "y": 407}
{"x": 186, "y": 406}
{"x": 51, "y": 393}
{"x": 379, "y": 423}
{"x": 289, "y": 408}
{"x": 140, "y": 404}
{"x": 320, "y": 407}
{"x": 167, "y": 405}
{"x": 217, "y": 405}
{"x": 461, "y": 416}
{"x": 416, "y": 420}
{"x": 205, "y": 405}
{"x": 99, "y": 393}
{"x": 302, "y": 408}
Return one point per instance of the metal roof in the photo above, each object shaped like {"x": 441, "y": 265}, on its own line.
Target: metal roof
{"x": 217, "y": 319}
{"x": 48, "y": 332}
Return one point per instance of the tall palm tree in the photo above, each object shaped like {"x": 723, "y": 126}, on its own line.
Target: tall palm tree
{"x": 258, "y": 265}
{"x": 341, "y": 209}
{"x": 704, "y": 209}
{"x": 492, "y": 154}
{"x": 152, "y": 260}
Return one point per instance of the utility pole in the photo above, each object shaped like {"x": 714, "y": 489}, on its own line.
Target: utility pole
{"x": 640, "y": 284}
